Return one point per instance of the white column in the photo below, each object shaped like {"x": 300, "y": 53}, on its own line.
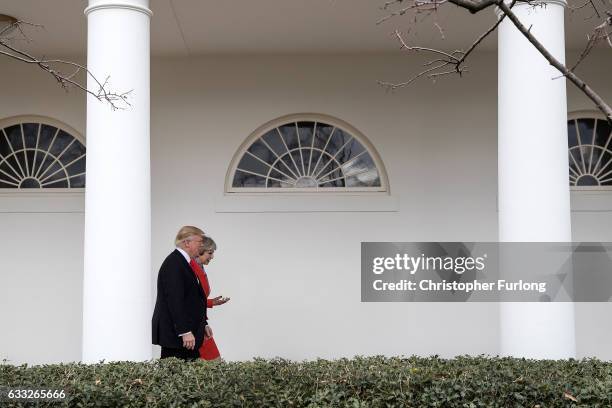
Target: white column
{"x": 117, "y": 279}
{"x": 534, "y": 201}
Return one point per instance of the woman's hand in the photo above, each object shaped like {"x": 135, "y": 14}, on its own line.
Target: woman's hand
{"x": 219, "y": 300}
{"x": 207, "y": 332}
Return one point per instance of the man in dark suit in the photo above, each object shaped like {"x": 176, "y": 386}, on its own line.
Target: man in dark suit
{"x": 179, "y": 319}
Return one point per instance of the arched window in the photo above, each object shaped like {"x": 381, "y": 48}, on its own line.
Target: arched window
{"x": 306, "y": 153}
{"x": 590, "y": 151}
{"x": 40, "y": 153}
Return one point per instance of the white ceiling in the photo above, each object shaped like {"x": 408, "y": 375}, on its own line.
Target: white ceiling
{"x": 195, "y": 27}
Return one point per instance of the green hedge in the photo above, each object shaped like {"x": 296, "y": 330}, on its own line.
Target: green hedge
{"x": 358, "y": 382}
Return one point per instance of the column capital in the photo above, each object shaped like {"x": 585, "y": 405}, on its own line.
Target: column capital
{"x": 534, "y": 3}
{"x": 136, "y": 5}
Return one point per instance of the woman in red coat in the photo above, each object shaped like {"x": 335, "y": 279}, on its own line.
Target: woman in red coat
{"x": 208, "y": 350}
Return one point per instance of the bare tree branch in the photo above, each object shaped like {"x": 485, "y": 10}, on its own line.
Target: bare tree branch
{"x": 55, "y": 68}
{"x": 456, "y": 60}
{"x": 485, "y": 35}
{"x": 599, "y": 34}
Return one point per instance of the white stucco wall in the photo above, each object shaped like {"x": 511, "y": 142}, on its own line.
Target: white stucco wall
{"x": 294, "y": 278}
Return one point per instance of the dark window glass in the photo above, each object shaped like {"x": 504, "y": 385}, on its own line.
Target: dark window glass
{"x": 5, "y": 147}
{"x": 242, "y": 179}
{"x": 286, "y": 159}
{"x": 75, "y": 151}
{"x": 46, "y": 136}
{"x": 62, "y": 140}
{"x": 30, "y": 132}
{"x": 14, "y": 136}
{"x": 281, "y": 167}
{"x": 78, "y": 181}
{"x": 587, "y": 180}
{"x": 289, "y": 133}
{"x": 604, "y": 164}
{"x": 595, "y": 158}
{"x": 585, "y": 128}
{"x": 573, "y": 170}
{"x": 313, "y": 160}
{"x": 48, "y": 167}
{"x": 334, "y": 176}
{"x": 336, "y": 183}
{"x": 572, "y": 162}
{"x": 251, "y": 164}
{"x": 602, "y": 134}
{"x": 572, "y": 136}
{"x": 585, "y": 152}
{"x": 9, "y": 172}
{"x": 306, "y": 158}
{"x": 352, "y": 149}
{"x": 30, "y": 155}
{"x": 275, "y": 174}
{"x": 56, "y": 172}
{"x": 29, "y": 183}
{"x": 275, "y": 183}
{"x": 297, "y": 159}
{"x": 274, "y": 140}
{"x": 305, "y": 130}
{"x": 57, "y": 184}
{"x": 605, "y": 171}
{"x": 77, "y": 167}
{"x": 331, "y": 166}
{"x": 337, "y": 141}
{"x": 323, "y": 163}
{"x": 12, "y": 161}
{"x": 260, "y": 150}
{"x": 322, "y": 135}
{"x": 576, "y": 159}
{"x": 38, "y": 161}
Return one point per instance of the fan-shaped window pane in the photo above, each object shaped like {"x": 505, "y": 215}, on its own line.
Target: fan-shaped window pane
{"x": 30, "y": 131}
{"x": 13, "y": 134}
{"x": 337, "y": 141}
{"x": 78, "y": 181}
{"x": 305, "y": 130}
{"x": 590, "y": 154}
{"x": 38, "y": 155}
{"x": 274, "y": 141}
{"x": 307, "y": 154}
{"x": 322, "y": 135}
{"x": 289, "y": 133}
{"x": 260, "y": 150}
{"x": 250, "y": 164}
{"x": 243, "y": 179}
{"x": 47, "y": 134}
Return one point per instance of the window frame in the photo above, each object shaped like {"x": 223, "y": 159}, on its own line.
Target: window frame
{"x": 586, "y": 114}
{"x": 44, "y": 120}
{"x": 384, "y": 188}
